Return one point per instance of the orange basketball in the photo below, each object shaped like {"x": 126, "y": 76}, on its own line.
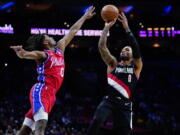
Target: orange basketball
{"x": 109, "y": 13}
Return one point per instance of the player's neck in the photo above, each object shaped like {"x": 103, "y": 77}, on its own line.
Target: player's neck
{"x": 125, "y": 62}
{"x": 51, "y": 49}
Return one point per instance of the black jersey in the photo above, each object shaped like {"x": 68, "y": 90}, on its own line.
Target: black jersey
{"x": 122, "y": 80}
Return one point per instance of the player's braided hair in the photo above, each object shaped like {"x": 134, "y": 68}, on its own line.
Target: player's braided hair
{"x": 35, "y": 42}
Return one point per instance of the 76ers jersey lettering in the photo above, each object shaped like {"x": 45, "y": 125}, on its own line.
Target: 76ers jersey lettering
{"x": 122, "y": 79}
{"x": 50, "y": 77}
{"x": 51, "y": 71}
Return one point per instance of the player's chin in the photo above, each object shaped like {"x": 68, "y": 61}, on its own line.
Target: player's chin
{"x": 54, "y": 44}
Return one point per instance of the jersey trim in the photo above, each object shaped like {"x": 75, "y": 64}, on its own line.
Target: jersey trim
{"x": 40, "y": 71}
{"x": 58, "y": 49}
{"x": 37, "y": 102}
{"x": 116, "y": 83}
{"x": 48, "y": 56}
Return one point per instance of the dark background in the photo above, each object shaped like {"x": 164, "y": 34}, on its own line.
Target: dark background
{"x": 156, "y": 108}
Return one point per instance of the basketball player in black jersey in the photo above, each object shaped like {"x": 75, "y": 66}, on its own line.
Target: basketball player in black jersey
{"x": 122, "y": 77}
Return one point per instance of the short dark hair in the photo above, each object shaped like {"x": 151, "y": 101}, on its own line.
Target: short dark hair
{"x": 35, "y": 42}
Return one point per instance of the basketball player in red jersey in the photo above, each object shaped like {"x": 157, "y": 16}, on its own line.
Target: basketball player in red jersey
{"x": 49, "y": 56}
{"x": 122, "y": 77}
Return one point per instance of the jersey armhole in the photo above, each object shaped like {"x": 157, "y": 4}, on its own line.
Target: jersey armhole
{"x": 137, "y": 78}
{"x": 61, "y": 51}
{"x": 48, "y": 56}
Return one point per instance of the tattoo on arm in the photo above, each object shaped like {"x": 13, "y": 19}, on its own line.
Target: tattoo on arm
{"x": 105, "y": 53}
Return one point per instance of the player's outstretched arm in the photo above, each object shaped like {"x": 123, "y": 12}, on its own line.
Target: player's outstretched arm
{"x": 133, "y": 43}
{"x": 75, "y": 28}
{"x": 33, "y": 55}
{"x": 108, "y": 58}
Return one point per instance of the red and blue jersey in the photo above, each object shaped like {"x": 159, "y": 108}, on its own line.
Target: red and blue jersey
{"x": 51, "y": 71}
{"x": 50, "y": 77}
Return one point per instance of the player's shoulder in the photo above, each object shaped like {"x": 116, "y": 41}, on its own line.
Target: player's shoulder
{"x": 55, "y": 52}
{"x": 58, "y": 51}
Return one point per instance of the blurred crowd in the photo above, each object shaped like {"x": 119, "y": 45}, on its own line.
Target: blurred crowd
{"x": 69, "y": 119}
{"x": 155, "y": 100}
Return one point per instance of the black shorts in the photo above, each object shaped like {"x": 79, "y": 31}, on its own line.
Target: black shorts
{"x": 121, "y": 111}
{"x": 119, "y": 108}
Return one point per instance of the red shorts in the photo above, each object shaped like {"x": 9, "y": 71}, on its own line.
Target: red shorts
{"x": 41, "y": 96}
